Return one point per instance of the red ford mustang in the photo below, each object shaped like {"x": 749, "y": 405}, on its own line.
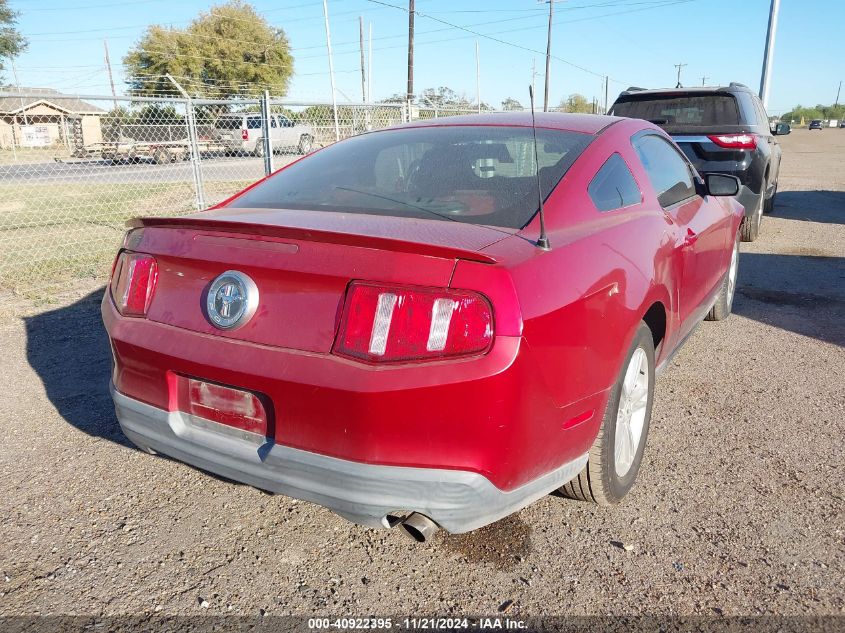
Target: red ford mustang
{"x": 378, "y": 327}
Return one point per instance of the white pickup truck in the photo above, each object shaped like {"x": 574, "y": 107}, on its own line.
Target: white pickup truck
{"x": 243, "y": 133}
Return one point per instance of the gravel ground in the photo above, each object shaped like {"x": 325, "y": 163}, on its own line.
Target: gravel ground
{"x": 738, "y": 509}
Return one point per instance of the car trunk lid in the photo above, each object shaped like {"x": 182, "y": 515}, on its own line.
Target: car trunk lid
{"x": 301, "y": 263}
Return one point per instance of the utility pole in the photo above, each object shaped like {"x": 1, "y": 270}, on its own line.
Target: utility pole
{"x": 838, "y": 90}
{"x": 20, "y": 94}
{"x": 704, "y": 80}
{"x": 477, "y": 77}
{"x": 331, "y": 70}
{"x": 533, "y": 74}
{"x": 410, "y": 93}
{"x": 370, "y": 65}
{"x": 108, "y": 68}
{"x": 361, "y": 46}
{"x": 548, "y": 57}
{"x": 606, "y": 90}
{"x": 769, "y": 53}
{"x": 679, "y": 67}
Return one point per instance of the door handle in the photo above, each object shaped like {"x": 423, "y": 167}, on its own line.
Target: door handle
{"x": 691, "y": 237}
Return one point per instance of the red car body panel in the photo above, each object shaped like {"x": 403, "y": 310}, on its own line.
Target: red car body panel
{"x": 563, "y": 317}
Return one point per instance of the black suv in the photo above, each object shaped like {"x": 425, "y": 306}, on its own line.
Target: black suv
{"x": 722, "y": 130}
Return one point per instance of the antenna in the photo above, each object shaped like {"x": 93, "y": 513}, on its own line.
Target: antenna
{"x": 543, "y": 240}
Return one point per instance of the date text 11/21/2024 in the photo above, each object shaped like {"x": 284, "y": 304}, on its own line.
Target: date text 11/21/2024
{"x": 418, "y": 624}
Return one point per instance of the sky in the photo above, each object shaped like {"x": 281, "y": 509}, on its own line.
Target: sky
{"x": 633, "y": 42}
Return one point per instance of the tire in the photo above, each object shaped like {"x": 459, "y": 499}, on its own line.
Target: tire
{"x": 306, "y": 144}
{"x": 724, "y": 302}
{"x": 605, "y": 480}
{"x": 259, "y": 148}
{"x": 769, "y": 205}
{"x": 750, "y": 227}
{"x": 162, "y": 156}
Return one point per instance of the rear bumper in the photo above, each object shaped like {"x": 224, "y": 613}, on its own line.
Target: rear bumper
{"x": 491, "y": 415}
{"x": 456, "y": 500}
{"x": 236, "y": 144}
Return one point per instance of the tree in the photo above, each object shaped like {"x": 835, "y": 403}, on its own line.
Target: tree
{"x": 395, "y": 98}
{"x": 511, "y": 104}
{"x": 443, "y": 97}
{"x": 12, "y": 43}
{"x": 576, "y": 103}
{"x": 819, "y": 112}
{"x": 229, "y": 51}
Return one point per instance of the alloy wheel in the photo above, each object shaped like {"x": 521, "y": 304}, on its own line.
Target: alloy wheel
{"x": 732, "y": 272}
{"x": 630, "y": 416}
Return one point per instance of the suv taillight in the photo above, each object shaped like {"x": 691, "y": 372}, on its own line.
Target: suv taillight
{"x": 734, "y": 141}
{"x": 133, "y": 283}
{"x": 394, "y": 324}
{"x": 245, "y": 134}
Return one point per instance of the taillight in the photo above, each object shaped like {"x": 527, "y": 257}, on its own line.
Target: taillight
{"x": 245, "y": 135}
{"x": 133, "y": 283}
{"x": 393, "y": 324}
{"x": 734, "y": 141}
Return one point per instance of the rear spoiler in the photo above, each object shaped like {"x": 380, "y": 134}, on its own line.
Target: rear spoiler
{"x": 312, "y": 235}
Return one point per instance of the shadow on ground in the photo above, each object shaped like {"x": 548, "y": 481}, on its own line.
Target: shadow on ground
{"x": 811, "y": 206}
{"x": 803, "y": 294}
{"x": 69, "y": 351}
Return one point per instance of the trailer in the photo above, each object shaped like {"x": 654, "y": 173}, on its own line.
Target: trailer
{"x": 158, "y": 152}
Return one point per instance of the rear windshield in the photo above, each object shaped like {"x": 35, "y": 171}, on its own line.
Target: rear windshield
{"x": 681, "y": 110}
{"x": 229, "y": 123}
{"x": 473, "y": 174}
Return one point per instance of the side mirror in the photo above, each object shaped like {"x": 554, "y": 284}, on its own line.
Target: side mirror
{"x": 721, "y": 185}
{"x": 781, "y": 129}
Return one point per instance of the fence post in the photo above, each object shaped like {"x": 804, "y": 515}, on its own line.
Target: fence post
{"x": 196, "y": 168}
{"x": 266, "y": 141}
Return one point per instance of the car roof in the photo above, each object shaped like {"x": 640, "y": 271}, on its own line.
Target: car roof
{"x": 584, "y": 123}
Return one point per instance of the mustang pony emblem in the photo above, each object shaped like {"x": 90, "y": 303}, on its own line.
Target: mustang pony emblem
{"x": 232, "y": 300}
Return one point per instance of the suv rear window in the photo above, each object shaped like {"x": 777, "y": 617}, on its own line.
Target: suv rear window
{"x": 673, "y": 109}
{"x": 472, "y": 174}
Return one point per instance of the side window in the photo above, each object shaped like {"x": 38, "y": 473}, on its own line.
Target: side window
{"x": 668, "y": 172}
{"x": 613, "y": 186}
{"x": 285, "y": 122}
{"x": 273, "y": 122}
{"x": 253, "y": 123}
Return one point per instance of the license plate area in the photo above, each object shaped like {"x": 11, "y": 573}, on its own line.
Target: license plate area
{"x": 236, "y": 408}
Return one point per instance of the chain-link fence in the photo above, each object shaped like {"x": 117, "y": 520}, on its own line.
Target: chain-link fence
{"x": 74, "y": 169}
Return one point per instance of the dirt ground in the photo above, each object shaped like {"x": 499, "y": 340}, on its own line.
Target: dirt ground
{"x": 738, "y": 509}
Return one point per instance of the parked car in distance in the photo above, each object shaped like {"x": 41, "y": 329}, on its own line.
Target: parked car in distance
{"x": 243, "y": 133}
{"x": 816, "y": 124}
{"x": 722, "y": 130}
{"x": 842, "y": 123}
{"x": 379, "y": 329}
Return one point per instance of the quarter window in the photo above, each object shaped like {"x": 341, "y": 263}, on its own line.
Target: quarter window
{"x": 614, "y": 187}
{"x": 667, "y": 170}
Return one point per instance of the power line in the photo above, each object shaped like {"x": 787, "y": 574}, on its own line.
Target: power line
{"x": 489, "y": 37}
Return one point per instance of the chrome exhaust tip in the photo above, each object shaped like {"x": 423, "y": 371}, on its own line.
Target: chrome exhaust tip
{"x": 419, "y": 527}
